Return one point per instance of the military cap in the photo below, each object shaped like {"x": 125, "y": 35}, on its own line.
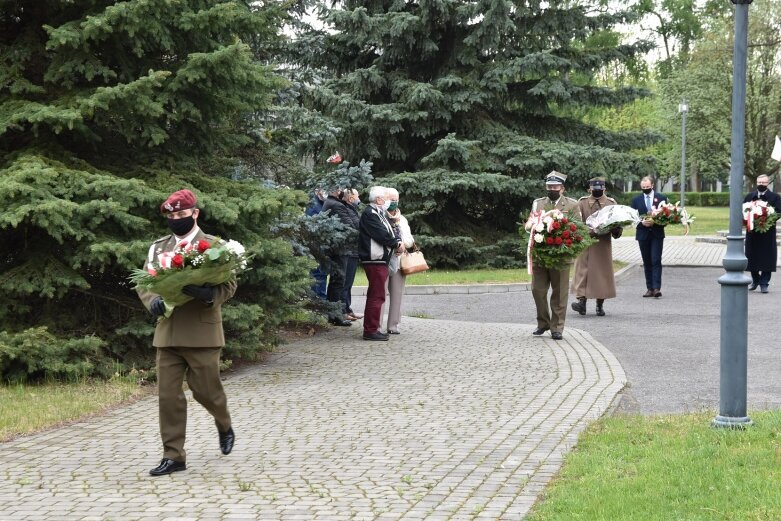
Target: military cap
{"x": 179, "y": 200}
{"x": 597, "y": 182}
{"x": 555, "y": 178}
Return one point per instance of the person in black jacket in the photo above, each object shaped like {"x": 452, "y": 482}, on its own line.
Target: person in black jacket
{"x": 376, "y": 244}
{"x": 761, "y": 250}
{"x": 336, "y": 208}
{"x": 351, "y": 201}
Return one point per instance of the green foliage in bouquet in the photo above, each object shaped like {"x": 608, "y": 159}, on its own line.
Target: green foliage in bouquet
{"x": 106, "y": 108}
{"x": 556, "y": 240}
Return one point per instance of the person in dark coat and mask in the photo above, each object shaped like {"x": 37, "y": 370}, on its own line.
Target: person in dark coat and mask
{"x": 761, "y": 249}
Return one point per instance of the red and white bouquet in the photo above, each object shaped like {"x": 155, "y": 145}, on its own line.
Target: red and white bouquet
{"x": 759, "y": 217}
{"x": 668, "y": 213}
{"x": 555, "y": 240}
{"x": 201, "y": 263}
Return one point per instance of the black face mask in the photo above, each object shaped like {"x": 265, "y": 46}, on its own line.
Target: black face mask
{"x": 761, "y": 188}
{"x": 597, "y": 193}
{"x": 181, "y": 226}
{"x": 553, "y": 195}
{"x": 647, "y": 190}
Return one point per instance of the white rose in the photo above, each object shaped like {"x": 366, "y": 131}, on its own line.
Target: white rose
{"x": 538, "y": 237}
{"x": 539, "y": 227}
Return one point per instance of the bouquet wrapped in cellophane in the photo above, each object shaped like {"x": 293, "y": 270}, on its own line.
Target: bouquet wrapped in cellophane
{"x": 199, "y": 264}
{"x": 759, "y": 217}
{"x": 610, "y": 217}
{"x": 667, "y": 213}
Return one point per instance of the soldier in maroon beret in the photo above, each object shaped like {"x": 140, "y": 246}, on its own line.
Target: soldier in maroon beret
{"x": 188, "y": 342}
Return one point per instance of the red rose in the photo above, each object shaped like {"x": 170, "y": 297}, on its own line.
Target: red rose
{"x": 564, "y": 220}
{"x": 568, "y": 242}
{"x": 203, "y": 246}
{"x": 177, "y": 261}
{"x": 666, "y": 212}
{"x": 764, "y": 210}
{"x": 578, "y": 238}
{"x": 565, "y": 234}
{"x": 555, "y": 225}
{"x": 558, "y": 240}
{"x": 573, "y": 227}
{"x": 549, "y": 240}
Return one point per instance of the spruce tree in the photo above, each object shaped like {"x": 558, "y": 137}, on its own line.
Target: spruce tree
{"x": 468, "y": 104}
{"x": 105, "y": 108}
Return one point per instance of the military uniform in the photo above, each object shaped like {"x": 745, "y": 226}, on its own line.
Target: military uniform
{"x": 189, "y": 342}
{"x": 593, "y": 273}
{"x": 552, "y": 317}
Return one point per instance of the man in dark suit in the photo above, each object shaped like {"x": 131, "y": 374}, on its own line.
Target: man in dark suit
{"x": 189, "y": 342}
{"x": 761, "y": 249}
{"x": 650, "y": 237}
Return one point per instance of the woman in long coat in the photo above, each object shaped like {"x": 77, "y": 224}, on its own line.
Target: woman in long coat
{"x": 593, "y": 275}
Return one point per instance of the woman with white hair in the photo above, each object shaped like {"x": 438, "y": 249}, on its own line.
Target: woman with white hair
{"x": 396, "y": 279}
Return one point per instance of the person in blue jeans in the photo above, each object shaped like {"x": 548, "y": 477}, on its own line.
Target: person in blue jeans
{"x": 319, "y": 274}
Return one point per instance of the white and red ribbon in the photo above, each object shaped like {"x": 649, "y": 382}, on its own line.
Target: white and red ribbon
{"x": 535, "y": 218}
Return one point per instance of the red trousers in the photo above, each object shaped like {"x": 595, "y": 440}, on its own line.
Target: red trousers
{"x": 377, "y": 274}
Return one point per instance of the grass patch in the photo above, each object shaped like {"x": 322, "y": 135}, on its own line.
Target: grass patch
{"x": 28, "y": 408}
{"x": 669, "y": 467}
{"x": 708, "y": 220}
{"x": 471, "y": 276}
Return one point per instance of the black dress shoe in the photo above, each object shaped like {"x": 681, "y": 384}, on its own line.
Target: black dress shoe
{"x": 226, "y": 441}
{"x": 168, "y": 466}
{"x": 339, "y": 321}
{"x": 555, "y": 335}
{"x": 393, "y": 332}
{"x": 649, "y": 293}
{"x": 600, "y": 311}
{"x": 763, "y": 289}
{"x": 753, "y": 286}
{"x": 657, "y": 293}
{"x": 376, "y": 336}
{"x": 539, "y": 331}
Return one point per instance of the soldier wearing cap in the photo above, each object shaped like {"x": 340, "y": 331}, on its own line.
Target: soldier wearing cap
{"x": 544, "y": 279}
{"x": 189, "y": 341}
{"x": 593, "y": 274}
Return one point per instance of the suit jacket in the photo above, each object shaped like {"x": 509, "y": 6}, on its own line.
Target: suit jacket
{"x": 193, "y": 324}
{"x": 644, "y": 232}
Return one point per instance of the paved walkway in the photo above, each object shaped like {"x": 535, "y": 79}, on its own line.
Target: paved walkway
{"x": 466, "y": 420}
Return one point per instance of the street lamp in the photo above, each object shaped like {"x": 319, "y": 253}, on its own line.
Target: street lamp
{"x": 733, "y": 371}
{"x": 683, "y": 108}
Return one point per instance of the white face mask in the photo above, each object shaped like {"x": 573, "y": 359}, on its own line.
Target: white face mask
{"x": 386, "y": 205}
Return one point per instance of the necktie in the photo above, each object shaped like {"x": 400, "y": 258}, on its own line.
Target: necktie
{"x": 648, "y": 202}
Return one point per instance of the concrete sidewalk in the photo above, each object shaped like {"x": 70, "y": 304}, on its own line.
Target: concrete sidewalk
{"x": 451, "y": 420}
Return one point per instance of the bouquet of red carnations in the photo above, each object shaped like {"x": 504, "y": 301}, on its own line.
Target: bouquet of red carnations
{"x": 759, "y": 217}
{"x": 668, "y": 213}
{"x": 202, "y": 263}
{"x": 555, "y": 240}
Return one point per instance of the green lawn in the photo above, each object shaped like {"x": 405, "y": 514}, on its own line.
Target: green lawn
{"x": 669, "y": 468}
{"x": 25, "y": 409}
{"x": 708, "y": 220}
{"x": 483, "y": 276}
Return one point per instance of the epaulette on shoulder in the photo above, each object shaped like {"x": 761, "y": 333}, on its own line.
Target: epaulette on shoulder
{"x": 584, "y": 197}
{"x": 611, "y": 199}
{"x": 161, "y": 239}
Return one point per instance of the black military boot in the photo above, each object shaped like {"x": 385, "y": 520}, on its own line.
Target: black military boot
{"x": 580, "y": 305}
{"x": 600, "y": 311}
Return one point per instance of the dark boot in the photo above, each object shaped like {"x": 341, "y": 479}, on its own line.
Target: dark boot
{"x": 600, "y": 311}
{"x": 580, "y": 305}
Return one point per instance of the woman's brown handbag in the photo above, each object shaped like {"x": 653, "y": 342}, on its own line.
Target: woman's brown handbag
{"x": 412, "y": 262}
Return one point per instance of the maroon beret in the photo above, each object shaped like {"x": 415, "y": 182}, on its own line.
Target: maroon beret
{"x": 179, "y": 200}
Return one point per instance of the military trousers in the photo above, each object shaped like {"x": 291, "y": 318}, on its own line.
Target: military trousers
{"x": 557, "y": 281}
{"x": 202, "y": 369}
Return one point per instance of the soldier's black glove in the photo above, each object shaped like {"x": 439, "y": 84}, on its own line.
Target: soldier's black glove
{"x": 157, "y": 307}
{"x": 617, "y": 232}
{"x": 203, "y": 293}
